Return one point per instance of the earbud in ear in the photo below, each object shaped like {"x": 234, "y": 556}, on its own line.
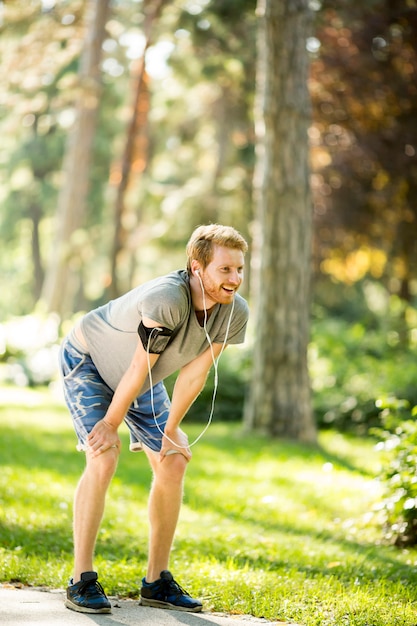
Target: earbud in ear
{"x": 197, "y": 271}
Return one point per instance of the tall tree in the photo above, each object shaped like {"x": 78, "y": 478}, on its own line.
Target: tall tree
{"x": 280, "y": 400}
{"x": 61, "y": 280}
{"x": 135, "y": 148}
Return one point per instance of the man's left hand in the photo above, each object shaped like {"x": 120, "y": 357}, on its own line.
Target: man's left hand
{"x": 174, "y": 442}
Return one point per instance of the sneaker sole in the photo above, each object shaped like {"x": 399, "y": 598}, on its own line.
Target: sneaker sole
{"x": 84, "y": 609}
{"x": 159, "y": 604}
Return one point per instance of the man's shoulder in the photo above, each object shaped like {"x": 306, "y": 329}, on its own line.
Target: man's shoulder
{"x": 178, "y": 277}
{"x": 166, "y": 299}
{"x": 174, "y": 281}
{"x": 174, "y": 285}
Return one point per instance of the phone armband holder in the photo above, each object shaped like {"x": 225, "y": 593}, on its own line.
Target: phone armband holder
{"x": 154, "y": 340}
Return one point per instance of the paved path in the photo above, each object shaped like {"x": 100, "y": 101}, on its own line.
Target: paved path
{"x": 22, "y": 607}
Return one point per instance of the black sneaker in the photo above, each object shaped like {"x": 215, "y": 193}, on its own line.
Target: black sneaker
{"x": 165, "y": 593}
{"x": 87, "y": 596}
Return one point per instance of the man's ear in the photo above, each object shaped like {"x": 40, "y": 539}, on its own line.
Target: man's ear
{"x": 195, "y": 268}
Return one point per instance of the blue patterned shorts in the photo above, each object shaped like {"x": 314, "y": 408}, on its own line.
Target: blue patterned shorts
{"x": 88, "y": 398}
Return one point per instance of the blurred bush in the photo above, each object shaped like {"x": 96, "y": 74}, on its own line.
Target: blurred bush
{"x": 29, "y": 350}
{"x": 233, "y": 376}
{"x": 397, "y": 511}
{"x": 351, "y": 368}
{"x": 29, "y": 347}
{"x": 363, "y": 348}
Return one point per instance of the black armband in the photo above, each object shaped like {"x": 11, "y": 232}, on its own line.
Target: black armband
{"x": 155, "y": 339}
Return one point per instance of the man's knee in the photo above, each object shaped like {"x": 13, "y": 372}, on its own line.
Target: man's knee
{"x": 103, "y": 466}
{"x": 172, "y": 467}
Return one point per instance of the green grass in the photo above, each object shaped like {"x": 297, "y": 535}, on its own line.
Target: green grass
{"x": 269, "y": 528}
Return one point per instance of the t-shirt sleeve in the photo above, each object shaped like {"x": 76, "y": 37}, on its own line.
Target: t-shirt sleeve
{"x": 166, "y": 304}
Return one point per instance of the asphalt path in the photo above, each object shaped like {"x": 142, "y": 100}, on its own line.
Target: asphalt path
{"x": 24, "y": 606}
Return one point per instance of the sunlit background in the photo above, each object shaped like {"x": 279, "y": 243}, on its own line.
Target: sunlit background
{"x": 193, "y": 161}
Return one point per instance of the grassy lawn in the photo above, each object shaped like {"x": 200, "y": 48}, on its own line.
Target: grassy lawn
{"x": 268, "y": 528}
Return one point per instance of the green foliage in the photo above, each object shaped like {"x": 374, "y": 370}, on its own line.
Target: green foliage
{"x": 270, "y": 528}
{"x": 357, "y": 355}
{"x": 29, "y": 357}
{"x": 398, "y": 510}
{"x": 233, "y": 378}
{"x": 201, "y": 137}
{"x": 199, "y": 131}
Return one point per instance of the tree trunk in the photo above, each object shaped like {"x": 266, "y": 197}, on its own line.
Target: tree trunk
{"x": 63, "y": 270}
{"x": 136, "y": 149}
{"x": 279, "y": 402}
{"x": 35, "y": 213}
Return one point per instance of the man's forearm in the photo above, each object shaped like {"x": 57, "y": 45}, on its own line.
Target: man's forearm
{"x": 185, "y": 393}
{"x": 189, "y": 383}
{"x": 126, "y": 392}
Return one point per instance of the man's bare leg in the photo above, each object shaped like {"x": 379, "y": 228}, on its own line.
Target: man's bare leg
{"x": 164, "y": 506}
{"x": 89, "y": 504}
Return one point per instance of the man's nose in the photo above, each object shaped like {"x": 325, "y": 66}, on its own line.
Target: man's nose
{"x": 234, "y": 278}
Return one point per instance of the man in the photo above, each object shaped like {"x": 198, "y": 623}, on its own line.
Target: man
{"x": 113, "y": 365}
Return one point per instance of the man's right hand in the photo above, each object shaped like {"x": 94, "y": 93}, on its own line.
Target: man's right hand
{"x": 103, "y": 437}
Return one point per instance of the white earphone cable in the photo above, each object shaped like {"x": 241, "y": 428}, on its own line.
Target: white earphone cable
{"x": 215, "y": 367}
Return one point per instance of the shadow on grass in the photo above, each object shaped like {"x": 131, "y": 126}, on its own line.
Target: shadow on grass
{"x": 52, "y": 445}
{"x": 55, "y": 539}
{"x": 48, "y": 449}
{"x": 358, "y": 561}
{"x": 40, "y": 449}
{"x": 40, "y": 468}
{"x": 251, "y": 446}
{"x": 45, "y": 541}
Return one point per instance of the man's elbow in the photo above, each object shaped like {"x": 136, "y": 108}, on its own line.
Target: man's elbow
{"x": 195, "y": 381}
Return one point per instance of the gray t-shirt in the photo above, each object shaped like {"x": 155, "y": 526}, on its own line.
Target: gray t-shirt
{"x": 111, "y": 331}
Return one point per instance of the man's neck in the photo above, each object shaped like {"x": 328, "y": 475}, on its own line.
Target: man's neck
{"x": 200, "y": 315}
